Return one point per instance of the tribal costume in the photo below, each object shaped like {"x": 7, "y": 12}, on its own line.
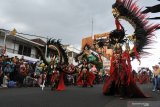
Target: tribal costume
{"x": 121, "y": 81}
{"x": 85, "y": 77}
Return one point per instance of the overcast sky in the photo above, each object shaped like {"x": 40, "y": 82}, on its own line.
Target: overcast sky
{"x": 69, "y": 20}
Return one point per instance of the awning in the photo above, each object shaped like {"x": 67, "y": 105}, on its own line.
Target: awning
{"x": 20, "y": 56}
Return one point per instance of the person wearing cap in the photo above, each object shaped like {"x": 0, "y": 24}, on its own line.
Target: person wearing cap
{"x": 156, "y": 78}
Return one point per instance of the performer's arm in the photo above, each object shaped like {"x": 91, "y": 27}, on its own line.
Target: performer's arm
{"x": 118, "y": 25}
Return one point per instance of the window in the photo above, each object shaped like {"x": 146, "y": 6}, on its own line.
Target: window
{"x": 20, "y": 51}
{"x": 70, "y": 54}
{"x": 24, "y": 50}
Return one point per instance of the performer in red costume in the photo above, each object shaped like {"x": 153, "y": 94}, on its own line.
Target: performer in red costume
{"x": 121, "y": 81}
{"x": 143, "y": 76}
{"x": 86, "y": 77}
{"x": 57, "y": 79}
{"x": 61, "y": 85}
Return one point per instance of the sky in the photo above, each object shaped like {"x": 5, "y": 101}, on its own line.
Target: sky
{"x": 69, "y": 20}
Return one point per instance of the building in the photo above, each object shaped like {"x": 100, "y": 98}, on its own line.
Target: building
{"x": 105, "y": 51}
{"x": 18, "y": 45}
{"x": 72, "y": 52}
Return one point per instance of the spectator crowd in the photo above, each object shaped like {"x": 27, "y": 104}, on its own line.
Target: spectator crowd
{"x": 18, "y": 72}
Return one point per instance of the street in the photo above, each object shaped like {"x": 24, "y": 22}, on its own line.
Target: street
{"x": 73, "y": 96}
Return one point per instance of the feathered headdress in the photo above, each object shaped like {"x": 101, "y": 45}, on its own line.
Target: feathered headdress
{"x": 129, "y": 11}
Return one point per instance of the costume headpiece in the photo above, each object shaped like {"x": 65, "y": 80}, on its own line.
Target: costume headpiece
{"x": 129, "y": 11}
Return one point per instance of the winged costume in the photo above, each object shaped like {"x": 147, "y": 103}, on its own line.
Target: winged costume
{"x": 121, "y": 81}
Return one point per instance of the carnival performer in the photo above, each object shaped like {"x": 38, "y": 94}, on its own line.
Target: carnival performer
{"x": 57, "y": 78}
{"x": 43, "y": 76}
{"x": 143, "y": 76}
{"x": 54, "y": 79}
{"x": 85, "y": 77}
{"x": 121, "y": 81}
{"x": 81, "y": 79}
{"x": 94, "y": 75}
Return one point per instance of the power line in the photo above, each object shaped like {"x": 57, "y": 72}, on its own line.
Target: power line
{"x": 25, "y": 34}
{"x": 32, "y": 35}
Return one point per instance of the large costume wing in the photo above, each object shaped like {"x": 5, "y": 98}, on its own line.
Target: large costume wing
{"x": 143, "y": 33}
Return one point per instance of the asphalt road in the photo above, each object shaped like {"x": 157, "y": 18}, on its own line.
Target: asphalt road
{"x": 73, "y": 96}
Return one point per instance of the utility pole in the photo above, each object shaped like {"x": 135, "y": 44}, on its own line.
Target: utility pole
{"x": 5, "y": 36}
{"x": 92, "y": 30}
{"x": 46, "y": 48}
